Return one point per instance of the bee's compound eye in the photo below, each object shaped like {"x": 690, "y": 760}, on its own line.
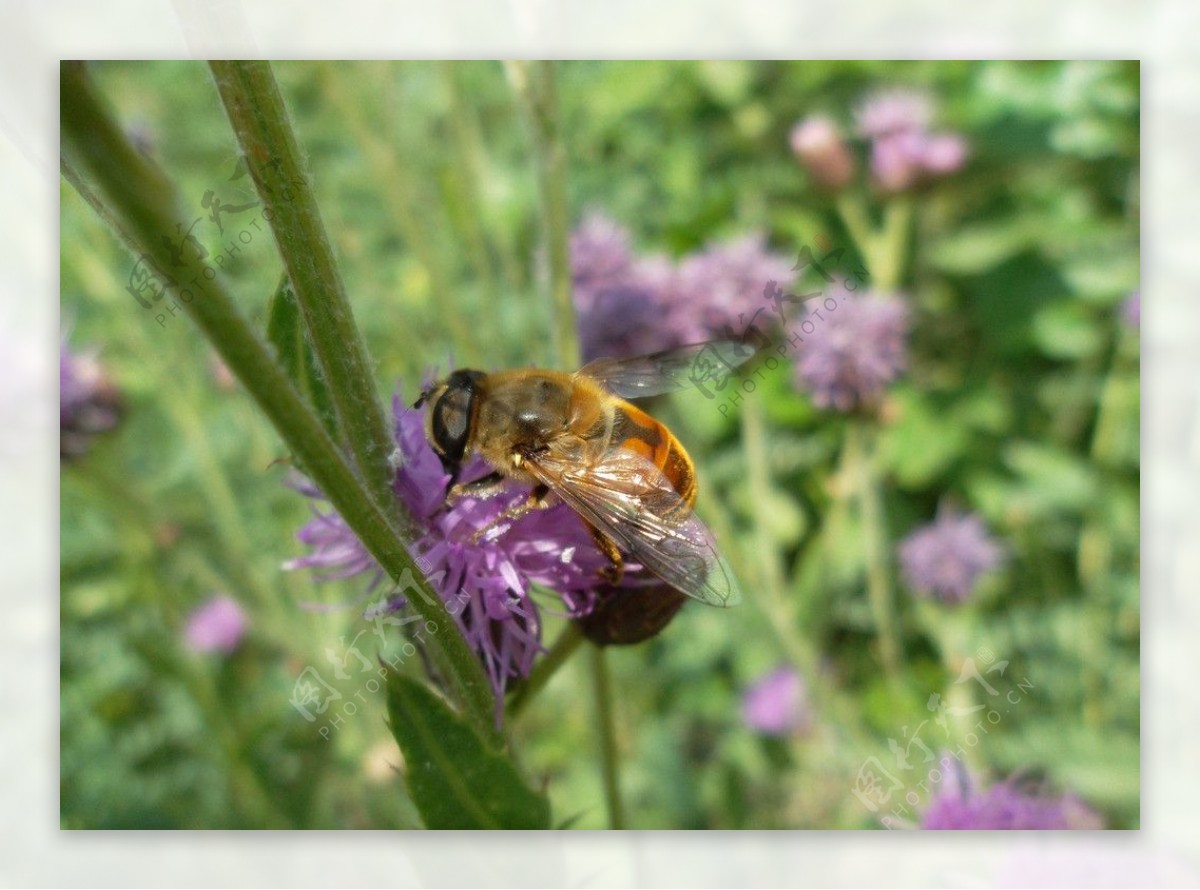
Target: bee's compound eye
{"x": 452, "y": 416}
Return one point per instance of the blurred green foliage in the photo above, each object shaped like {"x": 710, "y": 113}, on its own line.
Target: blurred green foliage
{"x": 1021, "y": 403}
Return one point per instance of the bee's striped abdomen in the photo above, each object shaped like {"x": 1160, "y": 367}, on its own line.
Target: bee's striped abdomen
{"x": 637, "y": 431}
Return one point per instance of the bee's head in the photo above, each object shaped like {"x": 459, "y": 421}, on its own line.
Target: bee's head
{"x": 452, "y": 408}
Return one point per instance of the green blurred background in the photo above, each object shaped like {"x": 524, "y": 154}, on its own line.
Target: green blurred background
{"x": 1020, "y": 403}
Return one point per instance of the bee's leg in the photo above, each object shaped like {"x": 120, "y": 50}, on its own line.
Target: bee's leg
{"x": 484, "y": 487}
{"x": 615, "y": 570}
{"x": 535, "y": 501}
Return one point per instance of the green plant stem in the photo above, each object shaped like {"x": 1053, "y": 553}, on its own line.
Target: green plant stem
{"x": 215, "y": 491}
{"x": 473, "y": 163}
{"x": 533, "y": 83}
{"x": 259, "y": 119}
{"x": 884, "y": 249}
{"x": 147, "y": 205}
{"x": 464, "y": 198}
{"x": 859, "y": 463}
{"x": 561, "y": 650}
{"x": 1116, "y": 414}
{"x": 758, "y": 473}
{"x": 606, "y": 730}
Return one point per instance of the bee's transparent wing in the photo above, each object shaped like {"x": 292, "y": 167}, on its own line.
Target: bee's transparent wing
{"x": 629, "y": 499}
{"x": 667, "y": 371}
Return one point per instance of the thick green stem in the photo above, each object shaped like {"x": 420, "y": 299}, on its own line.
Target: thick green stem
{"x": 260, "y": 121}
{"x": 147, "y": 206}
{"x": 533, "y": 83}
{"x": 606, "y": 729}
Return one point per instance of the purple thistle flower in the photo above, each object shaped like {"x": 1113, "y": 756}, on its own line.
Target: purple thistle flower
{"x": 946, "y": 558}
{"x": 601, "y": 252}
{"x": 720, "y": 290}
{"x": 888, "y": 112}
{"x": 896, "y": 160}
{"x": 631, "y": 315}
{"x": 88, "y": 401}
{"x": 635, "y": 306}
{"x": 216, "y": 626}
{"x": 959, "y": 805}
{"x": 944, "y": 153}
{"x": 623, "y": 302}
{"x": 818, "y": 145}
{"x": 903, "y": 150}
{"x": 777, "y": 703}
{"x": 485, "y": 583}
{"x": 852, "y": 352}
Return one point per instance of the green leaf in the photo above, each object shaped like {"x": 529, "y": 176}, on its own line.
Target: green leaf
{"x": 285, "y": 330}
{"x": 456, "y": 780}
{"x": 923, "y": 442}
{"x": 1064, "y": 330}
{"x": 1054, "y": 479}
{"x": 975, "y": 249}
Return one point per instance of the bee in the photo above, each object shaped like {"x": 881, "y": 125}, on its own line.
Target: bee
{"x": 575, "y": 437}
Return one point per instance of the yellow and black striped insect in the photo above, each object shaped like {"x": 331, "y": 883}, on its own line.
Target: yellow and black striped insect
{"x": 576, "y": 438}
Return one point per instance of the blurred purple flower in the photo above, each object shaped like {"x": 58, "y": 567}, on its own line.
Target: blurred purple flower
{"x": 896, "y": 160}
{"x": 631, "y": 315}
{"x": 777, "y": 704}
{"x": 636, "y": 305}
{"x": 820, "y": 148}
{"x": 601, "y": 252}
{"x": 484, "y": 584}
{"x": 903, "y": 150}
{"x": 887, "y": 112}
{"x": 1131, "y": 310}
{"x": 959, "y": 805}
{"x": 852, "y": 352}
{"x": 947, "y": 557}
{"x": 623, "y": 302}
{"x": 720, "y": 289}
{"x": 216, "y": 626}
{"x": 88, "y": 401}
{"x": 944, "y": 153}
